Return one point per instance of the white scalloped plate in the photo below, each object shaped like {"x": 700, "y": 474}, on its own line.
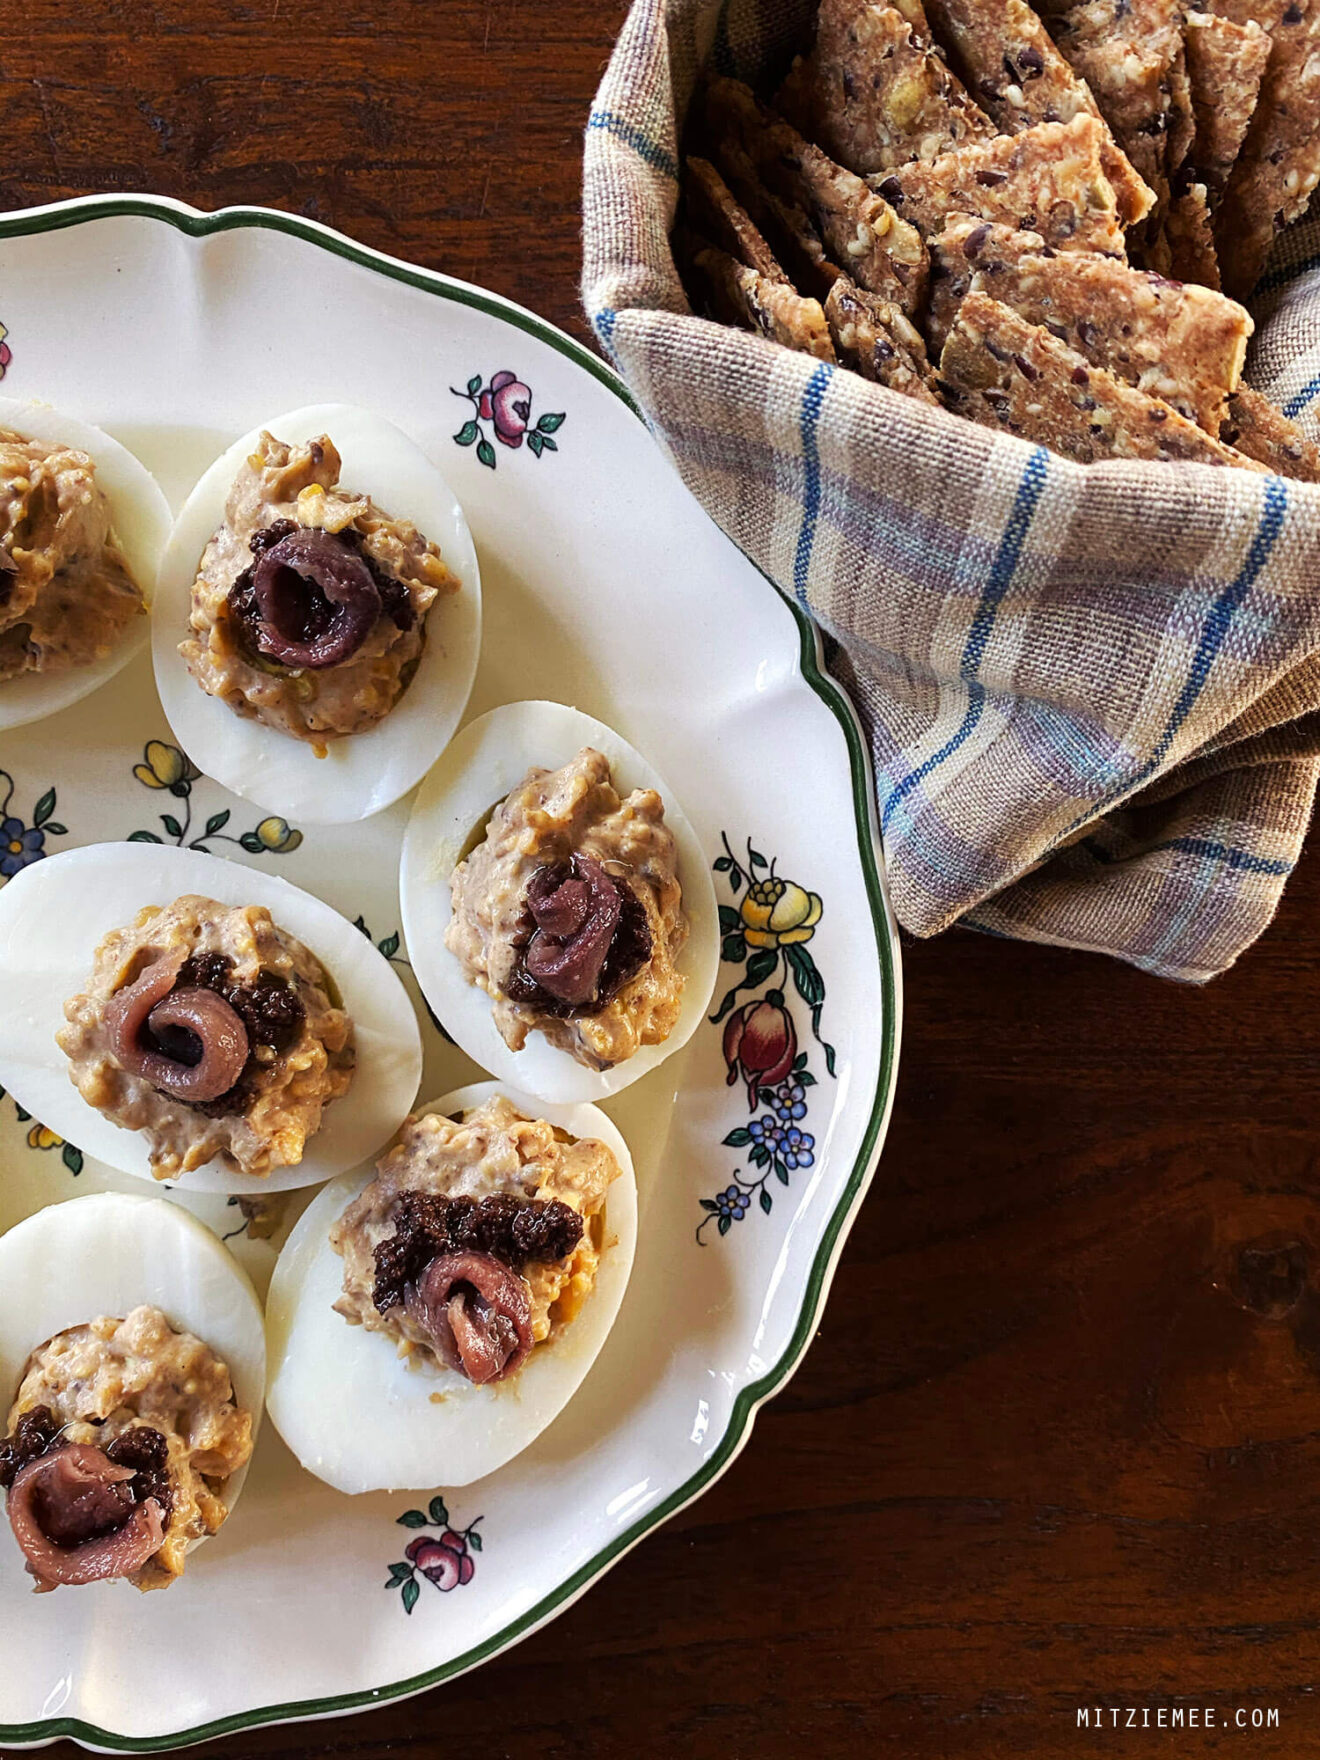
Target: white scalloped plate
{"x": 605, "y": 586}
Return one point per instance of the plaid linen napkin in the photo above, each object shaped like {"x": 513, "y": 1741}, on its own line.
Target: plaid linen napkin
{"x": 1092, "y": 692}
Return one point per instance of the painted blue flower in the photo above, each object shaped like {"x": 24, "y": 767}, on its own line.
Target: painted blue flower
{"x": 767, "y": 1133}
{"x": 733, "y": 1202}
{"x": 790, "y": 1101}
{"x": 799, "y": 1148}
{"x": 20, "y": 845}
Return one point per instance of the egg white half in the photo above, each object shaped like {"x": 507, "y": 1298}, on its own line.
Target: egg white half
{"x": 349, "y": 1406}
{"x": 140, "y": 522}
{"x": 110, "y": 1253}
{"x": 363, "y": 772}
{"x": 54, "y": 914}
{"x": 487, "y": 759}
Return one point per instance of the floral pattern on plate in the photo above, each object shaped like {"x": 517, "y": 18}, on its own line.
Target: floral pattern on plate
{"x": 506, "y": 403}
{"x": 765, "y": 932}
{"x": 447, "y": 1562}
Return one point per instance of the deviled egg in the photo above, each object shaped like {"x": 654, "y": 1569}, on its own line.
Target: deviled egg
{"x": 132, "y": 1372}
{"x": 82, "y": 527}
{"x": 318, "y": 616}
{"x": 183, "y": 1017}
{"x": 428, "y": 1319}
{"x": 557, "y": 905}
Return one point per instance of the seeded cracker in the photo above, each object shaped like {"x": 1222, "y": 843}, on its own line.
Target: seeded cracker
{"x": 1124, "y": 50}
{"x": 1185, "y": 245}
{"x": 1049, "y": 179}
{"x": 1184, "y": 345}
{"x": 966, "y": 246}
{"x": 1006, "y": 373}
{"x": 791, "y": 235}
{"x": 1260, "y": 429}
{"x": 1279, "y": 167}
{"x": 1225, "y": 65}
{"x": 714, "y": 211}
{"x": 872, "y": 93}
{"x": 738, "y": 295}
{"x": 860, "y": 230}
{"x": 874, "y": 338}
{"x": 1014, "y": 71}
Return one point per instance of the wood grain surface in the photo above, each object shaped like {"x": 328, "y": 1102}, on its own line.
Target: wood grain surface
{"x": 1058, "y": 1442}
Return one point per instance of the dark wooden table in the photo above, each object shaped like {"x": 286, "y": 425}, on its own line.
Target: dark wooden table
{"x": 1058, "y": 1443}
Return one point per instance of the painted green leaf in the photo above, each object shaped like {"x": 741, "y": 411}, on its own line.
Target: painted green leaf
{"x": 810, "y": 985}
{"x": 724, "y": 1224}
{"x": 360, "y": 924}
{"x": 474, "y": 1540}
{"x": 800, "y": 1061}
{"x": 733, "y": 950}
{"x": 467, "y": 433}
{"x": 760, "y": 966}
{"x": 729, "y": 918}
{"x": 474, "y": 384}
{"x": 781, "y": 1174}
{"x": 486, "y": 454}
{"x": 410, "y": 1594}
{"x": 251, "y": 843}
{"x": 767, "y": 1203}
{"x": 23, "y": 1116}
{"x": 735, "y": 882}
{"x": 535, "y": 442}
{"x": 722, "y": 865}
{"x": 217, "y": 822}
{"x": 757, "y": 859}
{"x": 738, "y": 1139}
{"x": 829, "y": 1057}
{"x": 708, "y": 1204}
{"x": 44, "y": 808}
{"x": 143, "y": 837}
{"x": 439, "y": 1514}
{"x": 551, "y": 424}
{"x": 72, "y": 1159}
{"x": 399, "y": 1573}
{"x": 171, "y": 824}
{"x": 56, "y": 830}
{"x": 806, "y": 1078}
{"x": 411, "y": 1518}
{"x": 759, "y": 1155}
{"x": 390, "y": 945}
{"x": 549, "y": 444}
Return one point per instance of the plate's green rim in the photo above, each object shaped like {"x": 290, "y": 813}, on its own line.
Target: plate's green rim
{"x": 199, "y": 225}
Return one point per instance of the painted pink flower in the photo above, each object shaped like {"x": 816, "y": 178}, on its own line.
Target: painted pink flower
{"x": 445, "y": 1562}
{"x": 760, "y": 1043}
{"x": 507, "y": 402}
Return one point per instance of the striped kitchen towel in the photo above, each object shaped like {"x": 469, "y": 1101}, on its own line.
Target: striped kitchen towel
{"x": 1092, "y": 692}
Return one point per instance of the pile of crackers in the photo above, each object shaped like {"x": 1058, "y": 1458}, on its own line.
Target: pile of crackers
{"x": 1042, "y": 218}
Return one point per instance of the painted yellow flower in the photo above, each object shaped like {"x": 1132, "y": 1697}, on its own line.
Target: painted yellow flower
{"x": 40, "y": 1138}
{"x": 777, "y": 913}
{"x": 278, "y": 835}
{"x": 164, "y": 766}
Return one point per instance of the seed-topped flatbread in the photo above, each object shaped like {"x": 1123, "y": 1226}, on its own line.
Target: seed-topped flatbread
{"x": 1225, "y": 65}
{"x": 1006, "y": 373}
{"x": 1182, "y": 344}
{"x": 1124, "y": 50}
{"x": 880, "y": 251}
{"x": 1259, "y": 428}
{"x": 1011, "y": 66}
{"x": 872, "y": 93}
{"x": 1279, "y": 166}
{"x": 1049, "y": 179}
{"x": 875, "y": 339}
{"x": 741, "y": 296}
{"x": 789, "y": 231}
{"x": 1184, "y": 246}
{"x": 715, "y": 212}
{"x": 967, "y": 246}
